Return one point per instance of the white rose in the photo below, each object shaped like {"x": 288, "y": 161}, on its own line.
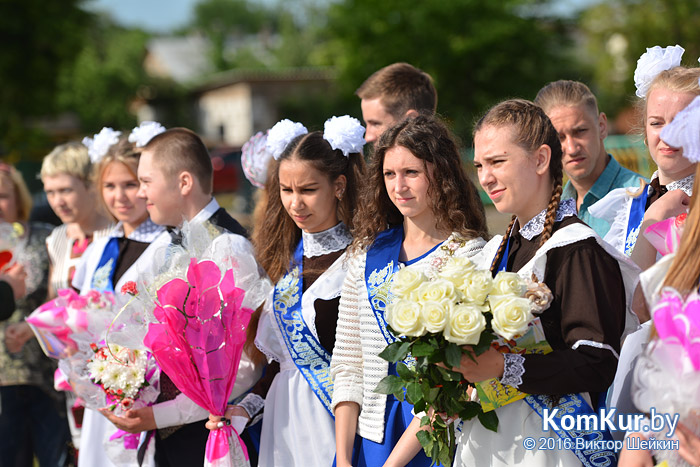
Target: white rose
{"x": 465, "y": 324}
{"x": 437, "y": 291}
{"x": 477, "y": 286}
{"x": 509, "y": 283}
{"x": 511, "y": 316}
{"x": 404, "y": 317}
{"x": 434, "y": 315}
{"x": 456, "y": 269}
{"x": 652, "y": 62}
{"x": 406, "y": 281}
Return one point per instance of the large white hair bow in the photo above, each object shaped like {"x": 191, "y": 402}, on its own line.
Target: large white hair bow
{"x": 345, "y": 133}
{"x": 143, "y": 133}
{"x": 281, "y": 135}
{"x": 100, "y": 143}
{"x": 652, "y": 62}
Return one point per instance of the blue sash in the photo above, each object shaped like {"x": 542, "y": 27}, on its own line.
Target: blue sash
{"x": 504, "y": 260}
{"x": 635, "y": 220}
{"x": 382, "y": 264}
{"x": 309, "y": 356}
{"x": 103, "y": 277}
{"x": 574, "y": 404}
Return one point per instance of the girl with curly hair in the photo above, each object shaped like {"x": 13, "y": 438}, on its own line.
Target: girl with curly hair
{"x": 417, "y": 208}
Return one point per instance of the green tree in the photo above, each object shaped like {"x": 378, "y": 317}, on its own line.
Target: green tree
{"x": 617, "y": 32}
{"x": 105, "y": 77}
{"x": 38, "y": 38}
{"x": 224, "y": 20}
{"x": 477, "y": 52}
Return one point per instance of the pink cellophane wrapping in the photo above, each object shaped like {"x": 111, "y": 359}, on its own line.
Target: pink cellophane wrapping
{"x": 198, "y": 341}
{"x": 667, "y": 374}
{"x": 70, "y": 324}
{"x": 665, "y": 236}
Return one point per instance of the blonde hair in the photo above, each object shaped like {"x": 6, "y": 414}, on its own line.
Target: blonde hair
{"x": 566, "y": 93}
{"x": 69, "y": 158}
{"x": 23, "y": 199}
{"x": 123, "y": 152}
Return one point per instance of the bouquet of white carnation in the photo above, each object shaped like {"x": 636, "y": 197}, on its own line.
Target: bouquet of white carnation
{"x": 462, "y": 310}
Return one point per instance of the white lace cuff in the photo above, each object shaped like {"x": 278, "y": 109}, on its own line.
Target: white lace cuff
{"x": 513, "y": 369}
{"x": 252, "y": 404}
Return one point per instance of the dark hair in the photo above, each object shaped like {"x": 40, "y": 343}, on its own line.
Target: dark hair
{"x": 453, "y": 197}
{"x": 401, "y": 87}
{"x": 532, "y": 129}
{"x": 181, "y": 150}
{"x": 276, "y": 236}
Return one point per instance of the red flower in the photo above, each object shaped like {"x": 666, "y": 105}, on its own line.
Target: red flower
{"x": 127, "y": 403}
{"x": 130, "y": 288}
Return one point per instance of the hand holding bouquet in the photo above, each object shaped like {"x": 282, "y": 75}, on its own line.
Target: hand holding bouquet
{"x": 460, "y": 312}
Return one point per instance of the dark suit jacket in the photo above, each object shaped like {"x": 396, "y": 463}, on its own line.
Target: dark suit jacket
{"x": 222, "y": 219}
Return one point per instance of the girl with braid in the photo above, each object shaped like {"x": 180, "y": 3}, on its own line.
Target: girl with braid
{"x": 518, "y": 160}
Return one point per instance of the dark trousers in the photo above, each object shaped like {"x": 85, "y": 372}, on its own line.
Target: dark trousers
{"x": 31, "y": 421}
{"x": 184, "y": 448}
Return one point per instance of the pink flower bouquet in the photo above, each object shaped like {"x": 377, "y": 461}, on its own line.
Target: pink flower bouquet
{"x": 665, "y": 236}
{"x": 198, "y": 341}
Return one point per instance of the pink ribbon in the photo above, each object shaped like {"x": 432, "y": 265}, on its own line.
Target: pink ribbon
{"x": 131, "y": 440}
{"x": 217, "y": 444}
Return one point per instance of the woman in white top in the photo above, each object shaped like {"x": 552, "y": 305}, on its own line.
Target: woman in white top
{"x": 107, "y": 264}
{"x": 417, "y": 209}
{"x": 668, "y": 194}
{"x": 300, "y": 239}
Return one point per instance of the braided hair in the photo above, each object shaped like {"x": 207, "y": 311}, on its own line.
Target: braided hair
{"x": 532, "y": 128}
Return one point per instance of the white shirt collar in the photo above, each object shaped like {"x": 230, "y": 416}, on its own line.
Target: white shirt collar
{"x": 535, "y": 226}
{"x": 208, "y": 211}
{"x": 329, "y": 241}
{"x": 146, "y": 232}
{"x": 685, "y": 184}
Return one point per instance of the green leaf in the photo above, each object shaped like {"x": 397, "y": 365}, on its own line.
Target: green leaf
{"x": 489, "y": 420}
{"x": 404, "y": 371}
{"x": 453, "y": 355}
{"x": 389, "y": 385}
{"x": 399, "y": 395}
{"x": 422, "y": 349}
{"x": 432, "y": 395}
{"x": 449, "y": 375}
{"x": 424, "y": 421}
{"x": 484, "y": 343}
{"x": 420, "y": 406}
{"x": 426, "y": 440}
{"x": 413, "y": 392}
{"x": 445, "y": 457}
{"x": 470, "y": 410}
{"x": 395, "y": 352}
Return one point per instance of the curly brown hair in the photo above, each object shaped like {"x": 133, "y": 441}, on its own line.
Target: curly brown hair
{"x": 453, "y": 197}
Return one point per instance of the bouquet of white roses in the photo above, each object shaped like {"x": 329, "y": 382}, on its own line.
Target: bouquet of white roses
{"x": 433, "y": 319}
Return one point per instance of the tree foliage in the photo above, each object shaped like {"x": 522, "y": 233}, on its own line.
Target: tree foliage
{"x": 617, "y": 32}
{"x": 105, "y": 77}
{"x": 38, "y": 37}
{"x": 477, "y": 52}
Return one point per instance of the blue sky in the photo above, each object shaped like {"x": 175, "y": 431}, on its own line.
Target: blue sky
{"x": 162, "y": 16}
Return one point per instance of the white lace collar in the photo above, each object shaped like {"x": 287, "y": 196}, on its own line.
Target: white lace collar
{"x": 685, "y": 184}
{"x": 329, "y": 241}
{"x": 146, "y": 232}
{"x": 535, "y": 226}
